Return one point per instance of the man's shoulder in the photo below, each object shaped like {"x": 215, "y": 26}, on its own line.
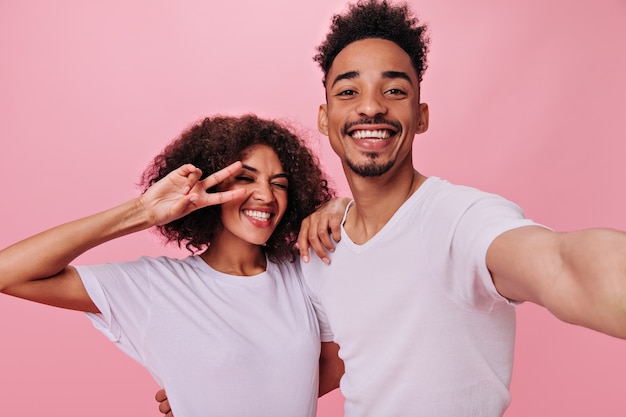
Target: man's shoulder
{"x": 437, "y": 186}
{"x": 441, "y": 196}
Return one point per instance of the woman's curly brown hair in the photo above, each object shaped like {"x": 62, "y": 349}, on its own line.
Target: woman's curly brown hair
{"x": 216, "y": 142}
{"x": 375, "y": 19}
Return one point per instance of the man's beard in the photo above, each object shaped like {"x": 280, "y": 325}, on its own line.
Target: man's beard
{"x": 370, "y": 168}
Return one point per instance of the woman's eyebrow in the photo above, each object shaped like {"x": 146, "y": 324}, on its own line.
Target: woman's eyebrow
{"x": 252, "y": 169}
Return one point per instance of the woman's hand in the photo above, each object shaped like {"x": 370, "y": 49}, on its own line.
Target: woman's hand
{"x": 180, "y": 192}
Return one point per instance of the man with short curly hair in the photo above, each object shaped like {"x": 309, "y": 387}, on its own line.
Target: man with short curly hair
{"x": 419, "y": 298}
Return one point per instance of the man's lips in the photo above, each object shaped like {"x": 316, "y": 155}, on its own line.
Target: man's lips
{"x": 376, "y": 128}
{"x": 379, "y": 134}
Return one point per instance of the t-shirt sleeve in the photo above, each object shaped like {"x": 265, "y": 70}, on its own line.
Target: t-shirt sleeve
{"x": 313, "y": 282}
{"x": 480, "y": 224}
{"x": 326, "y": 335}
{"x": 122, "y": 293}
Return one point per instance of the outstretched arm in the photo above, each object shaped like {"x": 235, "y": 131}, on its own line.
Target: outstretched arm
{"x": 37, "y": 268}
{"x": 579, "y": 276}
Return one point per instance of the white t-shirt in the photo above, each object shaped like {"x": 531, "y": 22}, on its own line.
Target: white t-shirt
{"x": 220, "y": 345}
{"x": 420, "y": 325}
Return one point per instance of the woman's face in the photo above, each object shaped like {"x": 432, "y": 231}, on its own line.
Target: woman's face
{"x": 254, "y": 217}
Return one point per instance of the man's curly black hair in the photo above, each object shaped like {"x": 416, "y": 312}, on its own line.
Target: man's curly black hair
{"x": 215, "y": 142}
{"x": 369, "y": 19}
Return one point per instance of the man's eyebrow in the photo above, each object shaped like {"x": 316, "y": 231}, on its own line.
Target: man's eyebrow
{"x": 345, "y": 76}
{"x": 397, "y": 74}
{"x": 386, "y": 74}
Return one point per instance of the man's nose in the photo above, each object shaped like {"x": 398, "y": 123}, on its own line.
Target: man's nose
{"x": 371, "y": 104}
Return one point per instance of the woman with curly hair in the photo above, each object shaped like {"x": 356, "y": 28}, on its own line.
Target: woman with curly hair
{"x": 228, "y": 330}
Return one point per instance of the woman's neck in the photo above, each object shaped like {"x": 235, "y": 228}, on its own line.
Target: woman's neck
{"x": 235, "y": 258}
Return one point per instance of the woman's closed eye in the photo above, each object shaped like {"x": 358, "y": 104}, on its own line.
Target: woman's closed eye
{"x": 244, "y": 178}
{"x": 281, "y": 185}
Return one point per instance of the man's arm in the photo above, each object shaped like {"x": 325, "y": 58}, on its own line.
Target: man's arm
{"x": 164, "y": 403}
{"x": 331, "y": 368}
{"x": 316, "y": 230}
{"x": 578, "y": 276}
{"x": 331, "y": 371}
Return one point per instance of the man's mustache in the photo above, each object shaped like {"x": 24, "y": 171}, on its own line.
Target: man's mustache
{"x": 372, "y": 121}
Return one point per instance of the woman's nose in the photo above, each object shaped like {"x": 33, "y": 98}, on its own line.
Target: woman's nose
{"x": 263, "y": 193}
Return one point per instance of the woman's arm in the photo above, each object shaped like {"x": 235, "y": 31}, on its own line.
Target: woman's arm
{"x": 37, "y": 268}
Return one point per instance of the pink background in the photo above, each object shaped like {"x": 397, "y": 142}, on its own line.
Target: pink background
{"x": 527, "y": 99}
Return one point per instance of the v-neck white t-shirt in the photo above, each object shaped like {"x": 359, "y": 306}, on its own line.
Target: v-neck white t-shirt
{"x": 421, "y": 328}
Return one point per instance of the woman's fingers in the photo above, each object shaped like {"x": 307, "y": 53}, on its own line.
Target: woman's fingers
{"x": 221, "y": 175}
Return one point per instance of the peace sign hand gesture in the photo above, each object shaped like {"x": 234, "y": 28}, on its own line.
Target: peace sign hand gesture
{"x": 181, "y": 192}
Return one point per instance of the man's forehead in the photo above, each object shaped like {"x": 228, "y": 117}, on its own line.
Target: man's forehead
{"x": 385, "y": 56}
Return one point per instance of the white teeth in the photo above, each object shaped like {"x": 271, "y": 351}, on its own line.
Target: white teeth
{"x": 378, "y": 134}
{"x": 258, "y": 215}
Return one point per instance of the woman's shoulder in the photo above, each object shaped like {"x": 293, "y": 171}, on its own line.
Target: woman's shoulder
{"x": 286, "y": 267}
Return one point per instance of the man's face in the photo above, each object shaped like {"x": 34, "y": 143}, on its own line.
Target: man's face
{"x": 373, "y": 110}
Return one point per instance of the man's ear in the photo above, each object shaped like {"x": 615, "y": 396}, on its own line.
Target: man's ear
{"x": 422, "y": 124}
{"x": 322, "y": 119}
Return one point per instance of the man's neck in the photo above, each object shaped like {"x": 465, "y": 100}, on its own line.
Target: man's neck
{"x": 377, "y": 200}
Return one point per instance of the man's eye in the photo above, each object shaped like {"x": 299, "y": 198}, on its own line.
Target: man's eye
{"x": 396, "y": 91}
{"x": 347, "y": 93}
